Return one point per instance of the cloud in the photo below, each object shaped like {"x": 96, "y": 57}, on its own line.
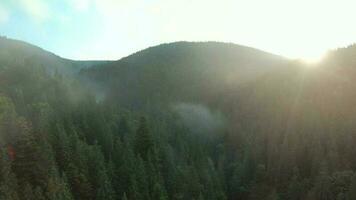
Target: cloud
{"x": 4, "y": 15}
{"x": 115, "y": 28}
{"x": 199, "y": 118}
{"x": 80, "y": 5}
{"x": 37, "y": 9}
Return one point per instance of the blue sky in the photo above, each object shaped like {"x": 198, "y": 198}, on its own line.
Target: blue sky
{"x": 111, "y": 29}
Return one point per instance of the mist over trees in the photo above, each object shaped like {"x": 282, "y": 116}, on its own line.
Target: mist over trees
{"x": 177, "y": 121}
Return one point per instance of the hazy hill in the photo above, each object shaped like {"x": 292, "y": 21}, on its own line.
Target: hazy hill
{"x": 223, "y": 75}
{"x": 201, "y": 72}
{"x": 183, "y": 120}
{"x": 257, "y": 91}
{"x": 15, "y": 52}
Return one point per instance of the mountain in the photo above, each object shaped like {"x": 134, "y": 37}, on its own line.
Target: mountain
{"x": 183, "y": 71}
{"x": 15, "y": 52}
{"x": 292, "y": 119}
{"x": 238, "y": 80}
{"x": 184, "y": 120}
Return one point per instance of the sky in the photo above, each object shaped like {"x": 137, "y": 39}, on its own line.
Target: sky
{"x": 111, "y": 29}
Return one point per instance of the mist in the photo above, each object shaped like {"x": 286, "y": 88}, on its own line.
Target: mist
{"x": 200, "y": 119}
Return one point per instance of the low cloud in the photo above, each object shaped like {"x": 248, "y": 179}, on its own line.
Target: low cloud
{"x": 39, "y": 10}
{"x": 199, "y": 118}
{"x": 4, "y": 15}
{"x": 80, "y": 5}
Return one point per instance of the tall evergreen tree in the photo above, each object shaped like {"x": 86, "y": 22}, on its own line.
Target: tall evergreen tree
{"x": 8, "y": 181}
{"x": 28, "y": 158}
{"x": 143, "y": 139}
{"x": 57, "y": 187}
{"x": 124, "y": 197}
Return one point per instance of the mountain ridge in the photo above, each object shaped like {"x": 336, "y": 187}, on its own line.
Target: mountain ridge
{"x": 14, "y": 51}
{"x": 178, "y": 121}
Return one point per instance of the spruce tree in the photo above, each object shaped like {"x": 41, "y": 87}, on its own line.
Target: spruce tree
{"x": 8, "y": 181}
{"x": 352, "y": 189}
{"x": 57, "y": 187}
{"x": 143, "y": 139}
{"x": 27, "y": 162}
{"x": 124, "y": 197}
{"x": 105, "y": 190}
{"x": 159, "y": 192}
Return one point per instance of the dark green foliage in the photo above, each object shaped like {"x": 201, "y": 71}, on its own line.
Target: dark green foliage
{"x": 8, "y": 181}
{"x": 287, "y": 133}
{"x": 352, "y": 191}
{"x": 124, "y": 197}
{"x": 58, "y": 187}
{"x": 143, "y": 140}
{"x": 29, "y": 158}
{"x": 159, "y": 192}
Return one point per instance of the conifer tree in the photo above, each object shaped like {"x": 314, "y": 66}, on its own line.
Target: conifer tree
{"x": 57, "y": 187}
{"x": 8, "y": 181}
{"x": 105, "y": 190}
{"x": 27, "y": 162}
{"x": 159, "y": 192}
{"x": 143, "y": 139}
{"x": 124, "y": 197}
{"x": 38, "y": 194}
{"x": 352, "y": 189}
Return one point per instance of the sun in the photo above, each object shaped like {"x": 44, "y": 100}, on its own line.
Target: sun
{"x": 312, "y": 60}
{"x": 315, "y": 61}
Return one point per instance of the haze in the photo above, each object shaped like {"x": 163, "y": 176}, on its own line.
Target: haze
{"x": 109, "y": 29}
{"x": 177, "y": 100}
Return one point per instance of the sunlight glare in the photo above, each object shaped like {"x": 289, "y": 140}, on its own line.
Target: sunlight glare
{"x": 312, "y": 60}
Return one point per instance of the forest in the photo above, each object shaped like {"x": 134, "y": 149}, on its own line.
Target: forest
{"x": 180, "y": 121}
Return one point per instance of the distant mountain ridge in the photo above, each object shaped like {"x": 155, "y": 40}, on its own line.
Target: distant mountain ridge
{"x": 214, "y": 73}
{"x": 21, "y": 53}
{"x": 183, "y": 120}
{"x": 187, "y": 71}
{"x": 237, "y": 80}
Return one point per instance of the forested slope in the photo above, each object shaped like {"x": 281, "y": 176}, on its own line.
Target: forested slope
{"x": 15, "y": 52}
{"x": 182, "y": 71}
{"x": 179, "y": 121}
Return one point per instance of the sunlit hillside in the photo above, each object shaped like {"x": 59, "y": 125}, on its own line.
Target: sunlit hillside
{"x": 184, "y": 120}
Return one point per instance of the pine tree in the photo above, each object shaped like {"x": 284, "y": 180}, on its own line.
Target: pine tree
{"x": 142, "y": 178}
{"x": 7, "y": 120}
{"x": 143, "y": 139}
{"x": 124, "y": 197}
{"x": 294, "y": 190}
{"x": 352, "y": 189}
{"x": 200, "y": 197}
{"x": 123, "y": 128}
{"x": 125, "y": 170}
{"x": 38, "y": 194}
{"x": 77, "y": 169}
{"x": 61, "y": 146}
{"x": 57, "y": 187}
{"x": 134, "y": 190}
{"x": 27, "y": 192}
{"x": 80, "y": 185}
{"x": 8, "y": 181}
{"x": 27, "y": 163}
{"x": 105, "y": 190}
{"x": 159, "y": 192}
{"x": 66, "y": 193}
{"x": 323, "y": 184}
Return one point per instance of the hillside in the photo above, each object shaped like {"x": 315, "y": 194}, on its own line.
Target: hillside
{"x": 184, "y": 120}
{"x": 292, "y": 115}
{"x": 183, "y": 71}
{"x": 14, "y": 52}
{"x": 230, "y": 78}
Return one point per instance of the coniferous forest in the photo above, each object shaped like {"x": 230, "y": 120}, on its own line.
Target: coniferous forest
{"x": 213, "y": 121}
